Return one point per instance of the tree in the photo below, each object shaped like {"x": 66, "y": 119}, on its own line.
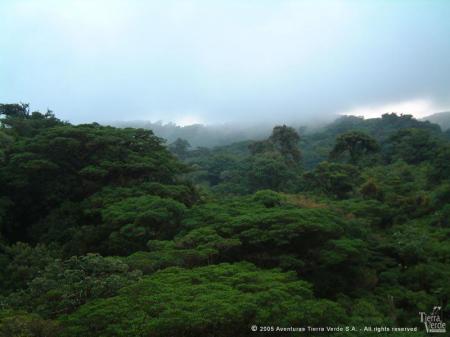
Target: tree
{"x": 441, "y": 165}
{"x": 20, "y": 263}
{"x": 128, "y": 224}
{"x": 70, "y": 163}
{"x": 23, "y": 324}
{"x": 225, "y": 299}
{"x": 180, "y": 148}
{"x": 14, "y": 111}
{"x": 64, "y": 285}
{"x": 283, "y": 140}
{"x": 271, "y": 171}
{"x": 370, "y": 240}
{"x": 335, "y": 179}
{"x": 356, "y": 144}
{"x": 412, "y": 145}
{"x": 18, "y": 120}
{"x": 5, "y": 145}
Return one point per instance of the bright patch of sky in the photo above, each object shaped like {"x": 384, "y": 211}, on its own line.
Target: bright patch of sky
{"x": 419, "y": 108}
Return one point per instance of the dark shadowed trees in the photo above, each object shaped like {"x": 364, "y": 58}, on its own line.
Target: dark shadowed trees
{"x": 355, "y": 144}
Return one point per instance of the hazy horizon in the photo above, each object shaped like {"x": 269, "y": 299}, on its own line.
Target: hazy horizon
{"x": 225, "y": 62}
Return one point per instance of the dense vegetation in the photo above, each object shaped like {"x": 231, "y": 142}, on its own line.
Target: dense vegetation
{"x": 110, "y": 232}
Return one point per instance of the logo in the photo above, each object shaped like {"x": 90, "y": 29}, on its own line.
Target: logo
{"x": 434, "y": 321}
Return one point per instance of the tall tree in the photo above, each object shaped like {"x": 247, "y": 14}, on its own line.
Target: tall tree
{"x": 180, "y": 148}
{"x": 355, "y": 143}
{"x": 284, "y": 140}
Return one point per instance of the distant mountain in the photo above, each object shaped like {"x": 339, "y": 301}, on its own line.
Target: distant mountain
{"x": 441, "y": 118}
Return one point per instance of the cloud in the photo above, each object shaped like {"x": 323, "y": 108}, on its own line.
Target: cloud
{"x": 222, "y": 61}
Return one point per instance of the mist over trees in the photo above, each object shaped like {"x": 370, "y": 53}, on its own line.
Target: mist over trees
{"x": 201, "y": 135}
{"x": 109, "y": 231}
{"x": 440, "y": 118}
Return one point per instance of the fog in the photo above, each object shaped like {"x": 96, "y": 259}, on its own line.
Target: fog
{"x": 230, "y": 61}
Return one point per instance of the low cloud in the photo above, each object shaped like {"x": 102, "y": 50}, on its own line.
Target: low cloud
{"x": 224, "y": 61}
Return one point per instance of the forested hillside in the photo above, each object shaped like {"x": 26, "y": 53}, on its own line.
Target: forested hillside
{"x": 440, "y": 118}
{"x": 113, "y": 232}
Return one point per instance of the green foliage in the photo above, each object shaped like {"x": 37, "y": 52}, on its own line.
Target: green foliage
{"x": 20, "y": 263}
{"x": 5, "y": 143}
{"x": 234, "y": 236}
{"x": 268, "y": 198}
{"x": 180, "y": 148}
{"x": 20, "y": 122}
{"x": 441, "y": 165}
{"x": 224, "y": 298}
{"x": 284, "y": 140}
{"x": 270, "y": 171}
{"x": 333, "y": 179}
{"x": 69, "y": 163}
{"x": 64, "y": 285}
{"x": 23, "y": 324}
{"x": 133, "y": 221}
{"x": 412, "y": 145}
{"x": 356, "y": 144}
{"x": 202, "y": 246}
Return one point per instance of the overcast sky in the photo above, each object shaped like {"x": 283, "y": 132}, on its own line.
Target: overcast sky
{"x": 225, "y": 61}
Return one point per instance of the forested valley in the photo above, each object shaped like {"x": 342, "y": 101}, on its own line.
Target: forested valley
{"x": 114, "y": 232}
